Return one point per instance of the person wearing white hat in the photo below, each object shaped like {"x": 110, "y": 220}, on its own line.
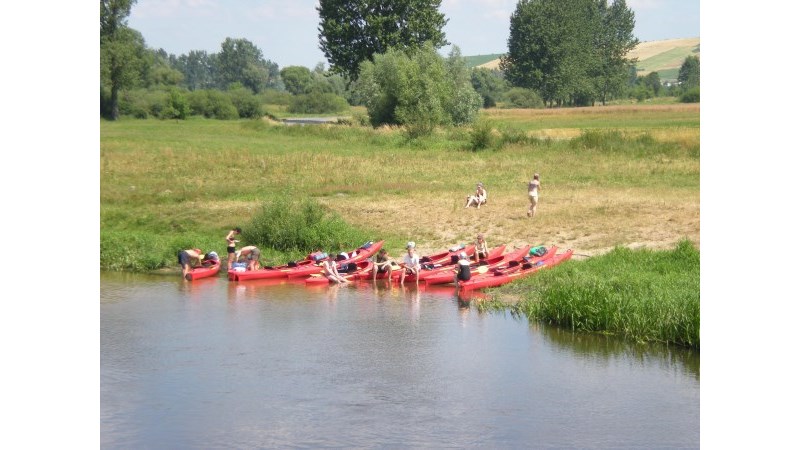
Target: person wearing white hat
{"x": 462, "y": 269}
{"x": 411, "y": 265}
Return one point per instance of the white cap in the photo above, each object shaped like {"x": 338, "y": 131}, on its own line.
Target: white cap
{"x": 411, "y": 244}
{"x": 462, "y": 255}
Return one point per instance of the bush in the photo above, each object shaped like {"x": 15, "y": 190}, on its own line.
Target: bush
{"x": 482, "y": 136}
{"x": 176, "y": 106}
{"x": 691, "y": 95}
{"x": 246, "y": 103}
{"x": 524, "y": 98}
{"x": 317, "y": 103}
{"x": 288, "y": 224}
{"x": 275, "y": 97}
{"x": 220, "y": 106}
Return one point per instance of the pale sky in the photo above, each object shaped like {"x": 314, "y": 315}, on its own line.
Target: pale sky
{"x": 286, "y": 31}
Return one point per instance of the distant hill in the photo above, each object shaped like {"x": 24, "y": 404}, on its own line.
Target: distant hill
{"x": 477, "y": 60}
{"x": 664, "y": 57}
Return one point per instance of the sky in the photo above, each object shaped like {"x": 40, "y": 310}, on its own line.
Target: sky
{"x": 286, "y": 31}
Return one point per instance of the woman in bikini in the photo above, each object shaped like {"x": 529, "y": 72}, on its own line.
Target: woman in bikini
{"x": 534, "y": 186}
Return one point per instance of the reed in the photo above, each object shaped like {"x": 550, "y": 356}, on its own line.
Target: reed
{"x": 645, "y": 295}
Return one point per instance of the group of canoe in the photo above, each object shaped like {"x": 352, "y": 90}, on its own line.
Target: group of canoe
{"x": 495, "y": 269}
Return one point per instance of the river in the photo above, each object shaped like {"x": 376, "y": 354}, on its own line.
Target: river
{"x": 218, "y": 364}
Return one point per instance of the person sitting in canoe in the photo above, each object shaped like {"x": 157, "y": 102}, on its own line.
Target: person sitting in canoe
{"x": 331, "y": 271}
{"x": 477, "y": 199}
{"x": 251, "y": 253}
{"x": 411, "y": 265}
{"x": 189, "y": 259}
{"x": 462, "y": 269}
{"x": 481, "y": 249}
{"x": 383, "y": 264}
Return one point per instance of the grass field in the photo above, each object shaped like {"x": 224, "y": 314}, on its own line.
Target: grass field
{"x": 621, "y": 175}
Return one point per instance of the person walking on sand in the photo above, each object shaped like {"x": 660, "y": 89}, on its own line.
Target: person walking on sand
{"x": 411, "y": 265}
{"x": 534, "y": 186}
{"x": 232, "y": 245}
{"x": 251, "y": 253}
{"x": 188, "y": 259}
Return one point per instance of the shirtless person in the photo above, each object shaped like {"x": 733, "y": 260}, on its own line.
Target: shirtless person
{"x": 383, "y": 263}
{"x": 188, "y": 259}
{"x": 331, "y": 271}
{"x": 533, "y": 194}
{"x": 232, "y": 245}
{"x": 481, "y": 249}
{"x": 252, "y": 253}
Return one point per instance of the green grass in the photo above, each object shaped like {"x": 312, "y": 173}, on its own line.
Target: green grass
{"x": 477, "y": 60}
{"x": 648, "y": 296}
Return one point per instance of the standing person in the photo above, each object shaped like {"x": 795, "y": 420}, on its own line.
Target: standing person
{"x": 331, "y": 271}
{"x": 188, "y": 259}
{"x": 252, "y": 253}
{"x": 383, "y": 263}
{"x": 411, "y": 264}
{"x": 534, "y": 186}
{"x": 481, "y": 249}
{"x": 232, "y": 245}
{"x": 462, "y": 269}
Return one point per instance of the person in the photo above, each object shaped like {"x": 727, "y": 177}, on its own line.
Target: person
{"x": 331, "y": 271}
{"x": 411, "y": 265}
{"x": 232, "y": 245}
{"x": 481, "y": 249}
{"x": 477, "y": 199}
{"x": 534, "y": 186}
{"x": 252, "y": 253}
{"x": 188, "y": 259}
{"x": 211, "y": 258}
{"x": 462, "y": 269}
{"x": 383, "y": 264}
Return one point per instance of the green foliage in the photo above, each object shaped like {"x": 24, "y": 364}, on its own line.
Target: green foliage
{"x": 289, "y": 224}
{"x": 691, "y": 95}
{"x": 296, "y": 79}
{"x": 570, "y": 51}
{"x": 418, "y": 89}
{"x": 275, "y": 97}
{"x": 140, "y": 251}
{"x": 247, "y": 105}
{"x": 122, "y": 60}
{"x": 481, "y": 136}
{"x": 242, "y": 61}
{"x": 176, "y": 107}
{"x": 317, "y": 103}
{"x": 490, "y": 84}
{"x": 643, "y": 294}
{"x": 353, "y": 31}
{"x": 524, "y": 98}
{"x": 689, "y": 73}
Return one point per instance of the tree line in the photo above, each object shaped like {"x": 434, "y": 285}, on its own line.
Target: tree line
{"x": 384, "y": 55}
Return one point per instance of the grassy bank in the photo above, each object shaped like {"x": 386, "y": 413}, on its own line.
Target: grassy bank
{"x": 623, "y": 176}
{"x": 643, "y": 295}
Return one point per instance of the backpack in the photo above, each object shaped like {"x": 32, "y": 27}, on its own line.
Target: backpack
{"x": 538, "y": 251}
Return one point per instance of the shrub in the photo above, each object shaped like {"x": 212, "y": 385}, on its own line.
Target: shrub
{"x": 286, "y": 223}
{"x": 482, "y": 136}
{"x": 691, "y": 95}
{"x": 317, "y": 103}
{"x": 524, "y": 98}
{"x": 275, "y": 97}
{"x": 220, "y": 106}
{"x": 246, "y": 103}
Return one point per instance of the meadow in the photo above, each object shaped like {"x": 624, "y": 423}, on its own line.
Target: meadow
{"x": 620, "y": 186}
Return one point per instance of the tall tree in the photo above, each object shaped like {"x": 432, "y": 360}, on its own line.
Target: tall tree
{"x": 122, "y": 51}
{"x": 198, "y": 69}
{"x": 689, "y": 73}
{"x": 296, "y": 79}
{"x": 241, "y": 61}
{"x": 614, "y": 40}
{"x": 352, "y": 31}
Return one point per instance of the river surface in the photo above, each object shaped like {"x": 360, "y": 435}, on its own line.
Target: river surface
{"x": 218, "y": 364}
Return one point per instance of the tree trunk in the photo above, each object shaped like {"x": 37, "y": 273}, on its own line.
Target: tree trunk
{"x": 114, "y": 101}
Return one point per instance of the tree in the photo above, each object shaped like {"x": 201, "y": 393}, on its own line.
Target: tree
{"x": 689, "y": 73}
{"x": 613, "y": 42}
{"x": 570, "y": 51}
{"x": 353, "y": 31}
{"x": 417, "y": 88}
{"x": 122, "y": 51}
{"x": 198, "y": 68}
{"x": 490, "y": 84}
{"x": 653, "y": 82}
{"x": 241, "y": 61}
{"x": 296, "y": 79}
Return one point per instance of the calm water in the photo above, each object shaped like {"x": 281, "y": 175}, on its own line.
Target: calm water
{"x": 213, "y": 364}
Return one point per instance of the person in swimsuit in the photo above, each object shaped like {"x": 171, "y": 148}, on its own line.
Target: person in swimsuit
{"x": 383, "y": 264}
{"x": 411, "y": 265}
{"x": 232, "y": 245}
{"x": 481, "y": 249}
{"x": 477, "y": 199}
{"x": 252, "y": 253}
{"x": 462, "y": 269}
{"x": 534, "y": 186}
{"x": 188, "y": 259}
{"x": 331, "y": 271}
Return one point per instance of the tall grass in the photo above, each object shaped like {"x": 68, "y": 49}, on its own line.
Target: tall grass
{"x": 639, "y": 294}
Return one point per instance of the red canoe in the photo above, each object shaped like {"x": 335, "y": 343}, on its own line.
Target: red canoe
{"x": 349, "y": 274}
{"x": 447, "y": 265}
{"x": 302, "y": 268}
{"x": 503, "y": 276}
{"x": 436, "y": 260}
{"x": 197, "y": 273}
{"x": 447, "y": 275}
